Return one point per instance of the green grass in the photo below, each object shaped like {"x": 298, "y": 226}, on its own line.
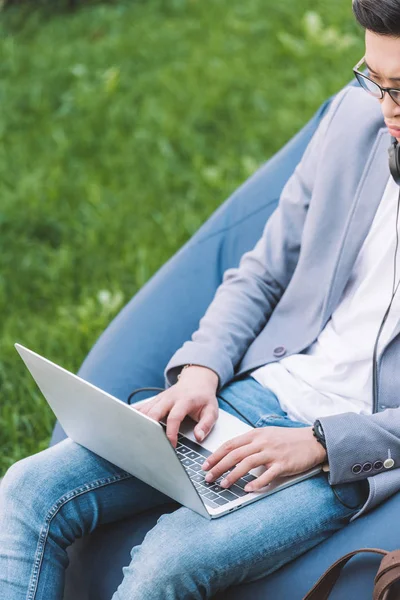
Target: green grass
{"x": 117, "y": 122}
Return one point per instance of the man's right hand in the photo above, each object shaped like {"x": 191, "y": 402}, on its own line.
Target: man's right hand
{"x": 194, "y": 394}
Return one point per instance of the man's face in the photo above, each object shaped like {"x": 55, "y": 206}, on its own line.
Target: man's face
{"x": 382, "y": 55}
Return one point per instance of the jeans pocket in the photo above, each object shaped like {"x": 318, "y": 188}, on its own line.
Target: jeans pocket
{"x": 352, "y": 494}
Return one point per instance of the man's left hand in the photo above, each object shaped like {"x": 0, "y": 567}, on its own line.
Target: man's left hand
{"x": 284, "y": 451}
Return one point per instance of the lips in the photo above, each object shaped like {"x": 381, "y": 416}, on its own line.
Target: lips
{"x": 393, "y": 127}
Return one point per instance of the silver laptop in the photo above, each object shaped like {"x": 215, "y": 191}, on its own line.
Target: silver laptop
{"x": 138, "y": 444}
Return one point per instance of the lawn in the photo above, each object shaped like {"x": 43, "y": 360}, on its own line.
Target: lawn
{"x": 119, "y": 122}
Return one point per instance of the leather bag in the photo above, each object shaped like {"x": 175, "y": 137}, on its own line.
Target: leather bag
{"x": 388, "y": 573}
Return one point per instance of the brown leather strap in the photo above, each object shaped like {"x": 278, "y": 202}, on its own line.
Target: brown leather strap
{"x": 325, "y": 583}
{"x": 388, "y": 573}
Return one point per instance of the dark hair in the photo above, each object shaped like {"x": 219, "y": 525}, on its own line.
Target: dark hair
{"x": 379, "y": 16}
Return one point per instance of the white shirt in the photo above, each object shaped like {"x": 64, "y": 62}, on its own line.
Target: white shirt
{"x": 334, "y": 374}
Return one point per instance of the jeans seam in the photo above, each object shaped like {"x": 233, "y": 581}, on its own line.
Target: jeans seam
{"x": 51, "y": 514}
{"x": 299, "y": 538}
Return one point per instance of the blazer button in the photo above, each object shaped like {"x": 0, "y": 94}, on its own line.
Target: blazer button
{"x": 388, "y": 464}
{"x": 378, "y": 464}
{"x": 356, "y": 469}
{"x": 367, "y": 467}
{"x": 279, "y": 351}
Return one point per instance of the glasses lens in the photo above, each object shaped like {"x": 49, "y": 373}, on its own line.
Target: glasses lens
{"x": 395, "y": 95}
{"x": 369, "y": 86}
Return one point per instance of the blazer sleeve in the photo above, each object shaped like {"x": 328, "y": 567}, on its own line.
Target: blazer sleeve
{"x": 354, "y": 442}
{"x": 248, "y": 294}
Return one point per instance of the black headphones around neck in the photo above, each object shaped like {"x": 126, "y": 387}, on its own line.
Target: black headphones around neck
{"x": 394, "y": 159}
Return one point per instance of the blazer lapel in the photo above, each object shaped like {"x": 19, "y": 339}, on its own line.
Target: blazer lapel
{"x": 361, "y": 215}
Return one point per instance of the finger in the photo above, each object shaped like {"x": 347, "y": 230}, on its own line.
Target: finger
{"x": 274, "y": 471}
{"x": 160, "y": 409}
{"x": 174, "y": 420}
{"x": 243, "y": 468}
{"x": 243, "y": 459}
{"x": 145, "y": 406}
{"x": 207, "y": 421}
{"x": 227, "y": 447}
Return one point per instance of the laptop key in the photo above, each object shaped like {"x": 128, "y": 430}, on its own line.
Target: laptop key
{"x": 200, "y": 459}
{"x": 195, "y": 467}
{"x": 192, "y": 455}
{"x": 237, "y": 490}
{"x": 202, "y": 490}
{"x": 249, "y": 477}
{"x": 241, "y": 482}
{"x": 211, "y": 495}
{"x": 187, "y": 462}
{"x": 216, "y": 488}
{"x": 221, "y": 501}
{"x": 196, "y": 447}
{"x": 209, "y": 502}
{"x": 196, "y": 477}
{"x": 184, "y": 450}
{"x": 206, "y": 483}
{"x": 228, "y": 495}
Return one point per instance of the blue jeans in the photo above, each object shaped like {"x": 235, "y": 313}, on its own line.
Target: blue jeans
{"x": 49, "y": 499}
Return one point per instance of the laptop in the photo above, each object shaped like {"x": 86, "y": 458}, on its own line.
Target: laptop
{"x": 139, "y": 444}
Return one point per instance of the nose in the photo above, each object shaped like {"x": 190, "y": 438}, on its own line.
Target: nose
{"x": 389, "y": 107}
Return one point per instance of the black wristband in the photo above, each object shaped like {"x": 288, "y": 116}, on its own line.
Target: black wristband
{"x": 318, "y": 433}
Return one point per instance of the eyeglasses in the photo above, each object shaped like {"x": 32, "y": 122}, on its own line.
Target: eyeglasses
{"x": 374, "y": 88}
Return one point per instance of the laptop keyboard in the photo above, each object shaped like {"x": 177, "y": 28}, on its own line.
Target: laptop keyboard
{"x": 192, "y": 456}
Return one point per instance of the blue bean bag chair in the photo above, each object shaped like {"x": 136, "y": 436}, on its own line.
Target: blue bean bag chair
{"x": 133, "y": 352}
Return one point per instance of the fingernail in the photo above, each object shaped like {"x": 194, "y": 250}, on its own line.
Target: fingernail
{"x": 248, "y": 488}
{"x": 200, "y": 434}
{"x": 205, "y": 465}
{"x": 208, "y": 477}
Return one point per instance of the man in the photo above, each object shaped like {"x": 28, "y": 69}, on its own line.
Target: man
{"x": 288, "y": 340}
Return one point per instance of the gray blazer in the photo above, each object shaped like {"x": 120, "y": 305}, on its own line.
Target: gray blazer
{"x": 279, "y": 298}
